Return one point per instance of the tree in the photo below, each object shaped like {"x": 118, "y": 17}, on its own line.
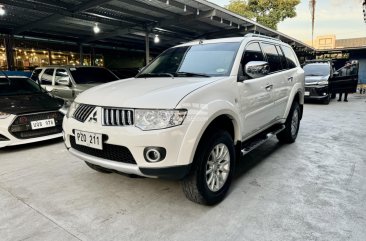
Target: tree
{"x": 266, "y": 12}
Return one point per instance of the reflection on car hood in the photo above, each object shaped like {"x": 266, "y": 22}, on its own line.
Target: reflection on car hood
{"x": 22, "y": 104}
{"x": 315, "y": 79}
{"x": 162, "y": 92}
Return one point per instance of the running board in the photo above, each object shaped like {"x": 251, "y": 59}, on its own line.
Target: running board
{"x": 254, "y": 142}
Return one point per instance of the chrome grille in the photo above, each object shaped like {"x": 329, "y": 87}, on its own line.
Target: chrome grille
{"x": 83, "y": 111}
{"x": 117, "y": 117}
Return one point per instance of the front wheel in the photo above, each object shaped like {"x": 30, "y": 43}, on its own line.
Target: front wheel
{"x": 213, "y": 169}
{"x": 292, "y": 124}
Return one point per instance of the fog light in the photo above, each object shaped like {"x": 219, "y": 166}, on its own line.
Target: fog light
{"x": 154, "y": 154}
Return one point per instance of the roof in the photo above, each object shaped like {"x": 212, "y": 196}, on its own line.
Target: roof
{"x": 124, "y": 23}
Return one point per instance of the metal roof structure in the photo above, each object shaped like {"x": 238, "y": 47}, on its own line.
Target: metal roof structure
{"x": 128, "y": 23}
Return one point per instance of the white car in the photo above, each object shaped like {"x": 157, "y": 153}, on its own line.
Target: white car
{"x": 27, "y": 112}
{"x": 191, "y": 113}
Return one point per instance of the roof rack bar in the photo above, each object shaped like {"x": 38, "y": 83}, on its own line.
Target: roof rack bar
{"x": 261, "y": 36}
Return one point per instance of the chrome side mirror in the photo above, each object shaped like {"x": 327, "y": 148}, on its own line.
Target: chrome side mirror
{"x": 257, "y": 69}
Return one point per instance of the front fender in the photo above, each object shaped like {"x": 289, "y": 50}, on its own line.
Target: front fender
{"x": 298, "y": 88}
{"x": 198, "y": 123}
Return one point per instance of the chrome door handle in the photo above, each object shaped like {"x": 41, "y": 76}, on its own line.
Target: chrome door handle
{"x": 290, "y": 79}
{"x": 269, "y": 87}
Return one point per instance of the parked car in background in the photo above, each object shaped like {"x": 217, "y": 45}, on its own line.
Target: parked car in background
{"x": 191, "y": 113}
{"x": 318, "y": 74}
{"x": 27, "y": 112}
{"x": 68, "y": 81}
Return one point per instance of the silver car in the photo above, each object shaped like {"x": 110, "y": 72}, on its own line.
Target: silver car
{"x": 68, "y": 81}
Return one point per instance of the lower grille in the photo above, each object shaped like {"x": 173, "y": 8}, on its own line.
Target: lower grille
{"x": 109, "y": 152}
{"x": 21, "y": 127}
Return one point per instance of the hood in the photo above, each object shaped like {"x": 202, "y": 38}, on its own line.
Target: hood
{"x": 22, "y": 104}
{"x": 316, "y": 79}
{"x": 143, "y": 92}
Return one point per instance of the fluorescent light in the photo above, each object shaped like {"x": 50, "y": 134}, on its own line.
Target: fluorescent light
{"x": 156, "y": 39}
{"x": 2, "y": 11}
{"x": 96, "y": 28}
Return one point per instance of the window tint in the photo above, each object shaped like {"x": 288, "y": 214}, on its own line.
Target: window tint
{"x": 272, "y": 57}
{"x": 252, "y": 53}
{"x": 35, "y": 74}
{"x": 90, "y": 75}
{"x": 61, "y": 73}
{"x": 282, "y": 58}
{"x": 18, "y": 86}
{"x": 290, "y": 57}
{"x": 47, "y": 76}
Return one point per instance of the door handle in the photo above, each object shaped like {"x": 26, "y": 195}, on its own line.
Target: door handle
{"x": 269, "y": 87}
{"x": 290, "y": 79}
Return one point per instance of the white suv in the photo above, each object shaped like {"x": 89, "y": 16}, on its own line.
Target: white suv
{"x": 192, "y": 113}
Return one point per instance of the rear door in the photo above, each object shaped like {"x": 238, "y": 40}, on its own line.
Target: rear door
{"x": 345, "y": 79}
{"x": 46, "y": 79}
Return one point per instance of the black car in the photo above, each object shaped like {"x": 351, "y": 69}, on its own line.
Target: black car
{"x": 27, "y": 112}
{"x": 318, "y": 76}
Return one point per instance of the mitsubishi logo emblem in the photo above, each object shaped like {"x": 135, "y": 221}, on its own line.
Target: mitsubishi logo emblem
{"x": 93, "y": 117}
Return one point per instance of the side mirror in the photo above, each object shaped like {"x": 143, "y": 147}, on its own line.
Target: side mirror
{"x": 64, "y": 81}
{"x": 335, "y": 74}
{"x": 257, "y": 69}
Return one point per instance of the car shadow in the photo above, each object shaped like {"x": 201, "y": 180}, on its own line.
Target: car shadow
{"x": 256, "y": 157}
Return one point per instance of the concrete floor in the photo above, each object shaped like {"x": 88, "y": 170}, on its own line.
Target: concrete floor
{"x": 314, "y": 189}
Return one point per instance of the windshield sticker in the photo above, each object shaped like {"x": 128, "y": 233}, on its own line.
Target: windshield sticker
{"x": 220, "y": 70}
{"x": 72, "y": 69}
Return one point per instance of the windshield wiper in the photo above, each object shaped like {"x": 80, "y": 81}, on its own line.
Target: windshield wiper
{"x": 155, "y": 75}
{"x": 192, "y": 74}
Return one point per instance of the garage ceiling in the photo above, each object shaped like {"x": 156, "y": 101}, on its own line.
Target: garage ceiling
{"x": 124, "y": 23}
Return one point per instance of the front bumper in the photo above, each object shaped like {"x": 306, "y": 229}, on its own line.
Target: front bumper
{"x": 8, "y": 139}
{"x": 173, "y": 166}
{"x": 316, "y": 92}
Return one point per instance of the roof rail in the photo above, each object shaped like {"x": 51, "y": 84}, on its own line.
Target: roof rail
{"x": 261, "y": 36}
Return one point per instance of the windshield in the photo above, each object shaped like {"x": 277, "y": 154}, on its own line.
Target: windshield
{"x": 317, "y": 70}
{"x": 18, "y": 86}
{"x": 92, "y": 75}
{"x": 202, "y": 60}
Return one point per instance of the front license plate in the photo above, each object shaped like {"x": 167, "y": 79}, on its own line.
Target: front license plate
{"x": 307, "y": 93}
{"x": 42, "y": 124}
{"x": 89, "y": 139}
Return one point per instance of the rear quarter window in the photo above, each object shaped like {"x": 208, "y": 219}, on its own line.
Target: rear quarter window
{"x": 290, "y": 57}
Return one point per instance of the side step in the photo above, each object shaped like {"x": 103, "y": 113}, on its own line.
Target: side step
{"x": 258, "y": 140}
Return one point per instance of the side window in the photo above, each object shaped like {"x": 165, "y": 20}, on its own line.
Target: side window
{"x": 272, "y": 57}
{"x": 60, "y": 73}
{"x": 47, "y": 76}
{"x": 252, "y": 52}
{"x": 290, "y": 57}
{"x": 35, "y": 74}
{"x": 282, "y": 58}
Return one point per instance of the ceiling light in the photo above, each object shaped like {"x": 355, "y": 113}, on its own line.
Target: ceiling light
{"x": 2, "y": 10}
{"x": 96, "y": 28}
{"x": 156, "y": 39}
{"x": 198, "y": 11}
{"x": 185, "y": 8}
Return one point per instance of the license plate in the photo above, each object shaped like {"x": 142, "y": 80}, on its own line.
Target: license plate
{"x": 42, "y": 124}
{"x": 89, "y": 139}
{"x": 307, "y": 93}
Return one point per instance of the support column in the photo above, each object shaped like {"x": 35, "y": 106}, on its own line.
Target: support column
{"x": 147, "y": 48}
{"x": 9, "y": 42}
{"x": 49, "y": 57}
{"x": 92, "y": 57}
{"x": 81, "y": 59}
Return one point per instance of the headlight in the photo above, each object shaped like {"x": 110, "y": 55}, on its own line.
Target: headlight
{"x": 158, "y": 119}
{"x": 4, "y": 115}
{"x": 72, "y": 109}
{"x": 324, "y": 82}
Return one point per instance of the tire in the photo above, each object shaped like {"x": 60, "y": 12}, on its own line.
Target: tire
{"x": 98, "y": 168}
{"x": 204, "y": 188}
{"x": 327, "y": 100}
{"x": 292, "y": 124}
